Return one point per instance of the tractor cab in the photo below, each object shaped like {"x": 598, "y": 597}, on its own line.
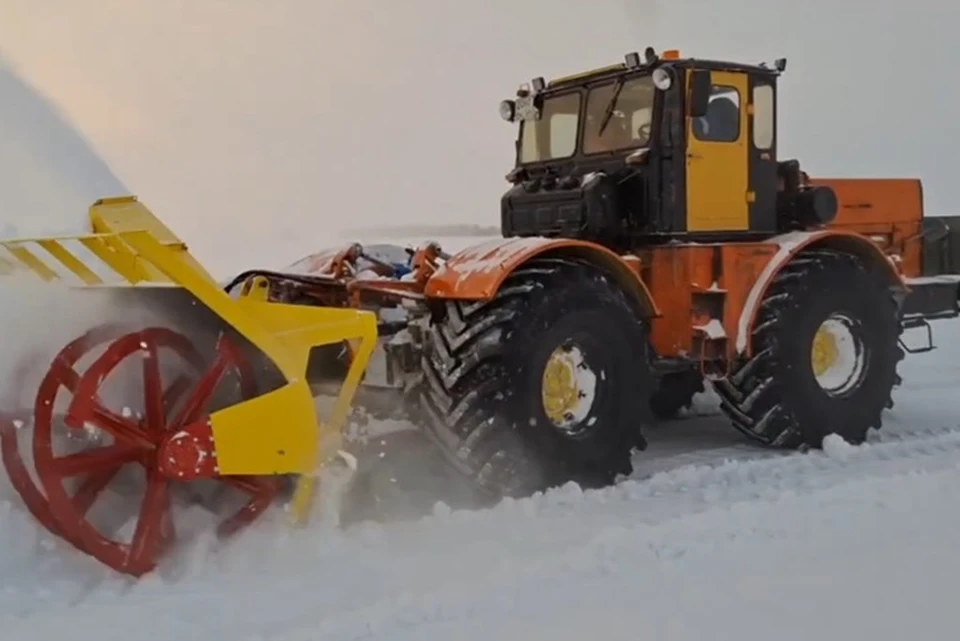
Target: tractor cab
{"x": 652, "y": 149}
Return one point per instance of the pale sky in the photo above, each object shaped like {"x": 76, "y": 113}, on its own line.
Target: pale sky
{"x": 269, "y": 126}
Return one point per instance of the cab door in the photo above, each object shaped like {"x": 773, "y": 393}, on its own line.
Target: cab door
{"x": 717, "y": 186}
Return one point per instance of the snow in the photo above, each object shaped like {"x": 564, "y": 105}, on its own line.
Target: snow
{"x": 713, "y": 329}
{"x": 837, "y": 448}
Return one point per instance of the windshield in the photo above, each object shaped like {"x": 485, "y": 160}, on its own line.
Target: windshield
{"x": 629, "y": 122}
{"x": 554, "y": 135}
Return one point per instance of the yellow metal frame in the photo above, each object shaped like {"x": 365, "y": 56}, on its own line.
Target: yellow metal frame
{"x": 276, "y": 433}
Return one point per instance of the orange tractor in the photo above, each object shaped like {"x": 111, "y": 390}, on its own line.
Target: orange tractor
{"x": 653, "y": 241}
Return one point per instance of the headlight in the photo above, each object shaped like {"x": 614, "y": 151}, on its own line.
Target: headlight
{"x": 508, "y": 110}
{"x": 662, "y": 78}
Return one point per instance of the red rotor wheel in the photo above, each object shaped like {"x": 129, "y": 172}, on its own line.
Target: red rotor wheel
{"x": 60, "y": 377}
{"x": 137, "y": 441}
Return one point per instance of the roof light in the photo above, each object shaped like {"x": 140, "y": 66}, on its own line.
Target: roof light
{"x": 671, "y": 54}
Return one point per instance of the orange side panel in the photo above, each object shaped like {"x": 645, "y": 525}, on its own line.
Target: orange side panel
{"x": 666, "y": 271}
{"x": 876, "y": 200}
{"x": 887, "y": 210}
{"x": 699, "y": 285}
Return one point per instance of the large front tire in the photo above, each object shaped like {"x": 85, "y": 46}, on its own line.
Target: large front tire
{"x": 825, "y": 355}
{"x": 546, "y": 383}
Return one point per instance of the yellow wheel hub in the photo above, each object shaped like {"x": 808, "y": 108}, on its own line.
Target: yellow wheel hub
{"x": 824, "y": 353}
{"x": 567, "y": 387}
{"x": 559, "y": 389}
{"x": 838, "y": 356}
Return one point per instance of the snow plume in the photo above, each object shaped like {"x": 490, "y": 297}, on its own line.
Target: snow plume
{"x": 51, "y": 173}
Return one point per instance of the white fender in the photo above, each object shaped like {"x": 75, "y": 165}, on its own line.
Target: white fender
{"x": 789, "y": 243}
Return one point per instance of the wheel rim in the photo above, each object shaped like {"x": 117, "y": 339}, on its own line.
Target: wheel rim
{"x": 838, "y": 356}
{"x": 136, "y": 441}
{"x": 568, "y": 388}
{"x": 60, "y": 377}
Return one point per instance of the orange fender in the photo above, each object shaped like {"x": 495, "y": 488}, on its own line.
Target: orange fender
{"x": 793, "y": 243}
{"x": 477, "y": 272}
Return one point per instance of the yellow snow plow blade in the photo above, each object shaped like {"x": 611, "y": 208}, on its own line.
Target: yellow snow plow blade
{"x": 276, "y": 432}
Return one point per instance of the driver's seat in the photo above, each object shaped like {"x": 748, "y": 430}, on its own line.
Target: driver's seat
{"x": 724, "y": 119}
{"x": 721, "y": 123}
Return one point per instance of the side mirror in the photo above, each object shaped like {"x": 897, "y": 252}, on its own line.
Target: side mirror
{"x": 699, "y": 97}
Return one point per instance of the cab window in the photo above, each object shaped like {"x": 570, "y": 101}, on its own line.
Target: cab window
{"x": 554, "y": 135}
{"x": 630, "y": 122}
{"x": 763, "y": 109}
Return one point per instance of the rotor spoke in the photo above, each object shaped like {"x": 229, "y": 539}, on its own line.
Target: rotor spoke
{"x": 201, "y": 393}
{"x": 150, "y": 531}
{"x": 167, "y": 531}
{"x": 102, "y": 459}
{"x": 91, "y": 488}
{"x": 176, "y": 389}
{"x": 153, "y": 389}
{"x": 120, "y": 428}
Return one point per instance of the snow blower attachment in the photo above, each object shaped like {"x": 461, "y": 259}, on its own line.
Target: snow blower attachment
{"x": 223, "y": 396}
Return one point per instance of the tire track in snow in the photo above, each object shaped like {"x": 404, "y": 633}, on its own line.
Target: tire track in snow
{"x": 768, "y": 473}
{"x": 807, "y": 493}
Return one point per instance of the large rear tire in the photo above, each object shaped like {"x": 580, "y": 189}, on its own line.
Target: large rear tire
{"x": 546, "y": 383}
{"x": 825, "y": 355}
